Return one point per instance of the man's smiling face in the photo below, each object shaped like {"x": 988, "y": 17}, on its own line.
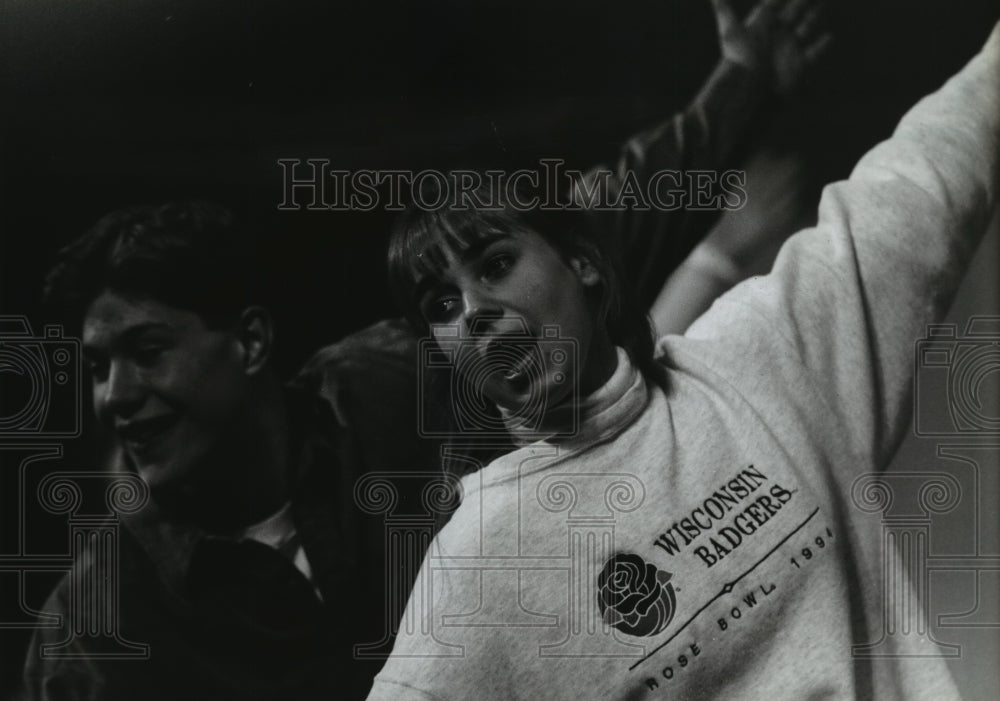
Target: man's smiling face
{"x": 172, "y": 388}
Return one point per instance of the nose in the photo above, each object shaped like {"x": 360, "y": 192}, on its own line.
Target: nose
{"x": 480, "y": 313}
{"x": 120, "y": 394}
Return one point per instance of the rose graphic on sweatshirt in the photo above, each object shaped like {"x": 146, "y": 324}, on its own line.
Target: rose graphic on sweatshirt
{"x": 634, "y": 596}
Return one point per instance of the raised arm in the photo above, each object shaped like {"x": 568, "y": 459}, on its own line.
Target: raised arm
{"x": 848, "y": 299}
{"x": 767, "y": 51}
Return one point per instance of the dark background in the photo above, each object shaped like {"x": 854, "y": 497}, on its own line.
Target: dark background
{"x": 108, "y": 103}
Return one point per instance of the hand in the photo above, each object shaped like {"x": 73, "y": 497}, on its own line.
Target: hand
{"x": 779, "y": 37}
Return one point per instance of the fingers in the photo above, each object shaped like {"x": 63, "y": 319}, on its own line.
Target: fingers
{"x": 804, "y": 18}
{"x": 814, "y": 51}
{"x": 725, "y": 15}
{"x": 793, "y": 10}
{"x": 766, "y": 11}
{"x": 770, "y": 5}
{"x": 809, "y": 23}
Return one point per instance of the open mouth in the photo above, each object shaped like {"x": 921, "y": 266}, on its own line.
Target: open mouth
{"x": 518, "y": 370}
{"x": 140, "y": 435}
{"x": 513, "y": 374}
{"x": 514, "y": 361}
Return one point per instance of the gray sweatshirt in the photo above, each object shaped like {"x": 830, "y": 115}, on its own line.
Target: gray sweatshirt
{"x": 710, "y": 540}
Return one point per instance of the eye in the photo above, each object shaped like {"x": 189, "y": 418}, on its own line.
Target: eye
{"x": 496, "y": 266}
{"x": 98, "y": 369}
{"x": 148, "y": 353}
{"x": 441, "y": 309}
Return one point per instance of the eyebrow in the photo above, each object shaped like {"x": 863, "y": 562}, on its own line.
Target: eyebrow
{"x": 427, "y": 283}
{"x": 479, "y": 245}
{"x": 129, "y": 335}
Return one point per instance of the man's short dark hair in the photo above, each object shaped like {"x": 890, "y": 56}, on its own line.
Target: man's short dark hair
{"x": 190, "y": 255}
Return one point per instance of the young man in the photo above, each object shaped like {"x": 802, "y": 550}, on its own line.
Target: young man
{"x": 240, "y": 571}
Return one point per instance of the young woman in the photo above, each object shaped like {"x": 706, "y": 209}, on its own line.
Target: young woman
{"x": 691, "y": 527}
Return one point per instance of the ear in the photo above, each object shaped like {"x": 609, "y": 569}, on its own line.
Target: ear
{"x": 255, "y": 334}
{"x": 585, "y": 270}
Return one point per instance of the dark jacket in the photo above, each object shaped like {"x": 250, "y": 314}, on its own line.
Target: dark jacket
{"x": 224, "y": 619}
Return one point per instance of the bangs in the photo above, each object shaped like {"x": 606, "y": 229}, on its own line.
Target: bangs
{"x": 420, "y": 240}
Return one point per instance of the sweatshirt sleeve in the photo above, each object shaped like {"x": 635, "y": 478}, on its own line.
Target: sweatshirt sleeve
{"x": 848, "y": 299}
{"x": 652, "y": 240}
{"x": 384, "y": 690}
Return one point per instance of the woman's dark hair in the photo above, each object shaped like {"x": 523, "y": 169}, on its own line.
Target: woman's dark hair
{"x": 189, "y": 255}
{"x": 420, "y": 236}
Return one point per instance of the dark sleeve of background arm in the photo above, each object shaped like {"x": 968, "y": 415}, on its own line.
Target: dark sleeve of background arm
{"x": 703, "y": 137}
